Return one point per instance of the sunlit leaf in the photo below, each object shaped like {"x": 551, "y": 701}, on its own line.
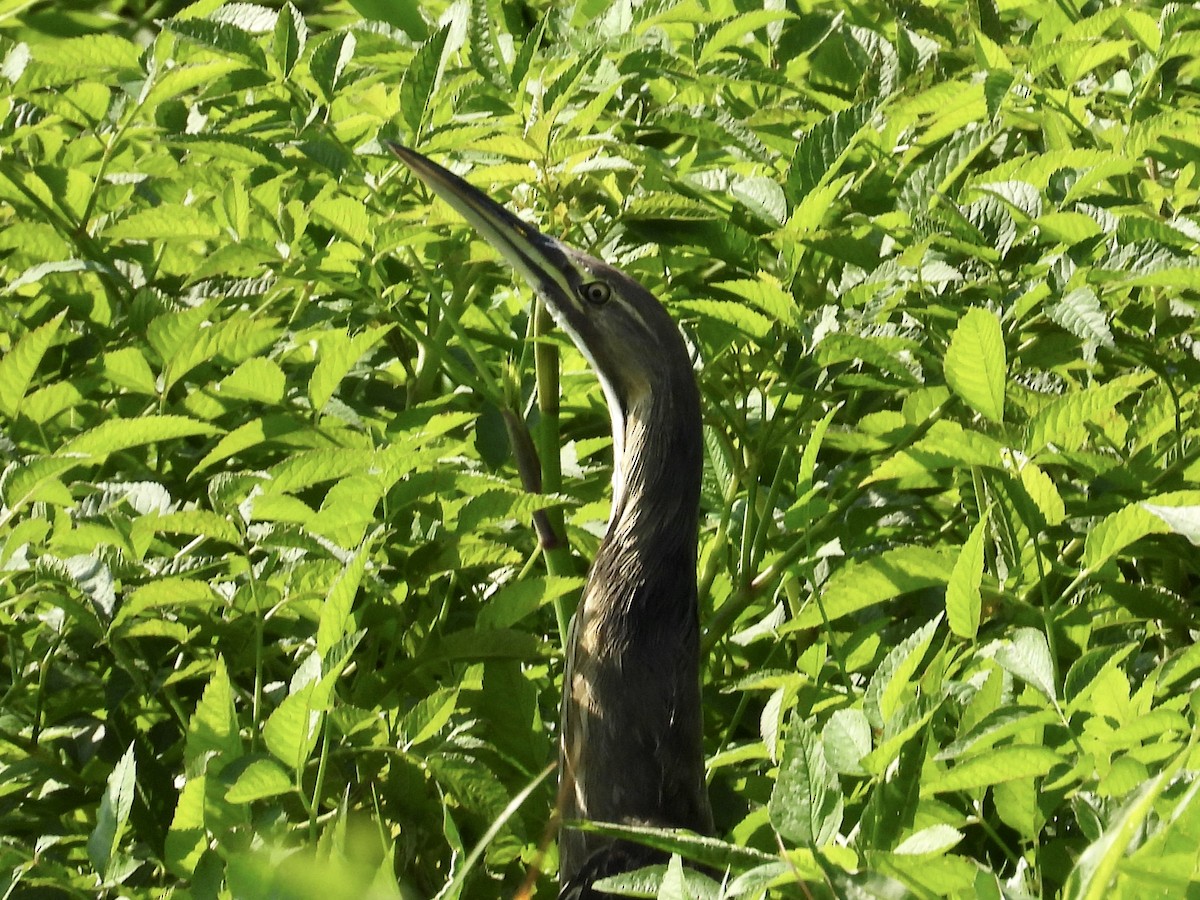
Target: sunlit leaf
{"x": 975, "y": 365}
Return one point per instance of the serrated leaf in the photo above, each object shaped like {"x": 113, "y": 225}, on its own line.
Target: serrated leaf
{"x": 806, "y": 803}
{"x": 749, "y": 321}
{"x": 670, "y": 206}
{"x": 257, "y": 379}
{"x": 428, "y": 717}
{"x": 220, "y": 36}
{"x": 335, "y": 612}
{"x": 515, "y": 601}
{"x": 1080, "y": 313}
{"x": 763, "y": 197}
{"x": 291, "y": 33}
{"x": 187, "y": 839}
{"x": 1061, "y": 421}
{"x": 767, "y": 294}
{"x": 1184, "y": 520}
{"x": 1027, "y": 655}
{"x": 483, "y": 46}
{"x": 1042, "y": 490}
{"x": 1116, "y": 531}
{"x": 336, "y": 357}
{"x": 291, "y": 731}
{"x": 890, "y": 683}
{"x": 345, "y": 215}
{"x": 121, "y": 434}
{"x": 421, "y": 79}
{"x": 737, "y": 28}
{"x": 975, "y": 364}
{"x": 306, "y": 468}
{"x": 234, "y": 148}
{"x": 19, "y": 364}
{"x": 846, "y": 739}
{"x": 261, "y": 779}
{"x": 127, "y": 368}
{"x": 963, "y": 600}
{"x": 213, "y": 741}
{"x": 27, "y": 483}
{"x": 862, "y": 584}
{"x": 997, "y": 766}
{"x": 171, "y": 222}
{"x": 329, "y": 61}
{"x": 935, "y": 839}
{"x": 113, "y": 815}
{"x": 947, "y": 445}
{"x": 822, "y": 148}
{"x": 167, "y": 592}
{"x": 199, "y": 522}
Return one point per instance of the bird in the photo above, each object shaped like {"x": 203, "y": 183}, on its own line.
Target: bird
{"x": 631, "y": 739}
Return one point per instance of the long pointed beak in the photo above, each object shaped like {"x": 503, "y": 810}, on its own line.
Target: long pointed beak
{"x": 538, "y": 258}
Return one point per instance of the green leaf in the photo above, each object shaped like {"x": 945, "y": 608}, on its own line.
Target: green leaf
{"x": 763, "y": 197}
{"x": 36, "y": 481}
{"x": 947, "y": 445}
{"x": 257, "y": 379}
{"x": 823, "y": 148}
{"x": 329, "y": 60}
{"x": 337, "y": 356}
{"x": 999, "y": 765}
{"x": 169, "y": 592}
{"x": 846, "y": 739}
{"x": 127, "y": 368}
{"x": 1027, "y": 655}
{"x": 404, "y": 16}
{"x": 482, "y": 45}
{"x": 1116, "y": 531}
{"x": 935, "y": 839}
{"x": 421, "y": 80}
{"x": 113, "y": 816}
{"x": 963, "y": 600}
{"x": 221, "y": 37}
{"x": 213, "y": 740}
{"x": 122, "y": 434}
{"x": 335, "y": 621}
{"x": 261, "y": 779}
{"x": 1184, "y": 520}
{"x": 1079, "y": 312}
{"x": 749, "y": 321}
{"x": 975, "y": 364}
{"x": 290, "y": 35}
{"x": 187, "y": 839}
{"x": 766, "y": 294}
{"x": 891, "y": 683}
{"x": 862, "y": 584}
{"x": 19, "y": 364}
{"x": 514, "y": 601}
{"x": 1061, "y": 421}
{"x": 428, "y": 717}
{"x": 165, "y": 223}
{"x": 806, "y": 804}
{"x": 292, "y": 730}
{"x": 737, "y": 28}
{"x": 345, "y": 215}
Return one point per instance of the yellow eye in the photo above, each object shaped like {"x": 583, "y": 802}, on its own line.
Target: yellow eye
{"x": 595, "y": 292}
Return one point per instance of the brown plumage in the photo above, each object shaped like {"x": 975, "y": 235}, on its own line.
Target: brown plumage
{"x": 631, "y": 742}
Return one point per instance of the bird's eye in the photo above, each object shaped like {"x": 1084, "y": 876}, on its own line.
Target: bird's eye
{"x": 595, "y": 292}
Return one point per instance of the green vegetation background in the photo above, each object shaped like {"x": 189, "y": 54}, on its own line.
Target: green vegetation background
{"x": 274, "y": 622}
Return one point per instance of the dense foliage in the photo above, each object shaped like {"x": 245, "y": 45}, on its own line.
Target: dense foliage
{"x": 275, "y": 622}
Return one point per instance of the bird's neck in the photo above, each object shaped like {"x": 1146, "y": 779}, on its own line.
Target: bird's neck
{"x": 650, "y": 546}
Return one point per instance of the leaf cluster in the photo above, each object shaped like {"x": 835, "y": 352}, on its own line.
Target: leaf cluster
{"x": 274, "y": 619}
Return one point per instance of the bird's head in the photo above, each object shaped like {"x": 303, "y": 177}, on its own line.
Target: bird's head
{"x": 620, "y": 327}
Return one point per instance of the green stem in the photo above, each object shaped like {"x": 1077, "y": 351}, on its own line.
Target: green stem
{"x": 546, "y": 366}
